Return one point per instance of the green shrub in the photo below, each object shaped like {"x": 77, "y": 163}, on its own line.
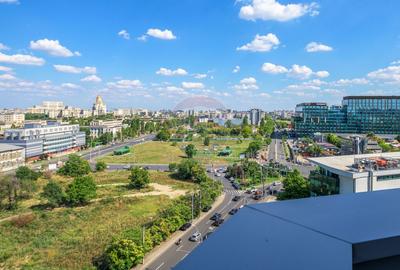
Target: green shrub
{"x": 101, "y": 166}
{"x": 53, "y": 193}
{"x": 139, "y": 178}
{"x": 123, "y": 254}
{"x": 81, "y": 191}
{"x": 75, "y": 166}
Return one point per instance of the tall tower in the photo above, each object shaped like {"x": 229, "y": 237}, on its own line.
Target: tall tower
{"x": 99, "y": 107}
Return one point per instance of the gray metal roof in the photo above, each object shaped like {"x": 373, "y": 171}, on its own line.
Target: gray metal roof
{"x": 313, "y": 233}
{"x": 8, "y": 147}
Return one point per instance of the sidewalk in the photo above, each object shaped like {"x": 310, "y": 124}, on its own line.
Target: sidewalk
{"x": 157, "y": 251}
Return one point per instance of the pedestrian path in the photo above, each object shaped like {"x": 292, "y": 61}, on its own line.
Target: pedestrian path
{"x": 233, "y": 192}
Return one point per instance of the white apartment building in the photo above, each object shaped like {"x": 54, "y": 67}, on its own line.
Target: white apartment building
{"x": 11, "y": 118}
{"x": 361, "y": 173}
{"x": 11, "y": 157}
{"x": 99, "y": 127}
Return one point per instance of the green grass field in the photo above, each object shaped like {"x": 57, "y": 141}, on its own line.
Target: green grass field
{"x": 148, "y": 153}
{"x": 164, "y": 152}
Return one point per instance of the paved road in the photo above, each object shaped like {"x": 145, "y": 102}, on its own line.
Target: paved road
{"x": 276, "y": 153}
{"x": 108, "y": 149}
{"x": 176, "y": 253}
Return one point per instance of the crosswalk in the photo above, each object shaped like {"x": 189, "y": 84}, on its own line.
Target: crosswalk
{"x": 233, "y": 192}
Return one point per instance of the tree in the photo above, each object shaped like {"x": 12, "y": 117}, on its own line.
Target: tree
{"x": 296, "y": 186}
{"x": 253, "y": 148}
{"x": 206, "y": 141}
{"x": 25, "y": 173}
{"x": 172, "y": 167}
{"x": 81, "y": 190}
{"x": 228, "y": 123}
{"x": 101, "y": 166}
{"x": 163, "y": 135}
{"x": 334, "y": 139}
{"x": 245, "y": 121}
{"x": 190, "y": 150}
{"x": 139, "y": 178}
{"x": 190, "y": 169}
{"x": 53, "y": 193}
{"x": 75, "y": 166}
{"x": 246, "y": 131}
{"x": 123, "y": 254}
{"x": 314, "y": 149}
{"x": 267, "y": 126}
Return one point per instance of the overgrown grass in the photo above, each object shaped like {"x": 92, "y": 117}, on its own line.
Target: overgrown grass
{"x": 70, "y": 238}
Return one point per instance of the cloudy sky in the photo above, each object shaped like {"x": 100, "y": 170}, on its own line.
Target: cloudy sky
{"x": 270, "y": 54}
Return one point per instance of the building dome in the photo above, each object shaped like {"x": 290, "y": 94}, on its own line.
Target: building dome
{"x": 99, "y": 107}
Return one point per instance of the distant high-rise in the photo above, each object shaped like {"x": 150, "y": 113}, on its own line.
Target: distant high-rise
{"x": 255, "y": 116}
{"x": 99, "y": 107}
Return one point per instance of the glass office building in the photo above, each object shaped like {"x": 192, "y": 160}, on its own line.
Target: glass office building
{"x": 357, "y": 114}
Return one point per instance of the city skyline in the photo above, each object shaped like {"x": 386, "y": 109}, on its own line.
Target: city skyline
{"x": 153, "y": 55}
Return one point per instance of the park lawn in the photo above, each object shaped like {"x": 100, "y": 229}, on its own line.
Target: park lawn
{"x": 209, "y": 154}
{"x": 165, "y": 178}
{"x": 153, "y": 152}
{"x": 70, "y": 238}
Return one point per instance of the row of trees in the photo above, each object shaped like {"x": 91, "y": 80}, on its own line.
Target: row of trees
{"x": 128, "y": 251}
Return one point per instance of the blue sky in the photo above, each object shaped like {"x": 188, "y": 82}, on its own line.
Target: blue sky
{"x": 270, "y": 54}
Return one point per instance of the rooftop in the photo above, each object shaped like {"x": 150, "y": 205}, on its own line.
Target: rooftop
{"x": 345, "y": 163}
{"x": 330, "y": 232}
{"x": 9, "y": 147}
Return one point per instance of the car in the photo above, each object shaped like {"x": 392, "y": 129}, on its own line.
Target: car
{"x": 218, "y": 222}
{"x": 232, "y": 179}
{"x": 195, "y": 237}
{"x": 277, "y": 183}
{"x": 235, "y": 185}
{"x": 206, "y": 235}
{"x": 257, "y": 197}
{"x": 218, "y": 175}
{"x": 146, "y": 168}
{"x": 215, "y": 216}
{"x": 206, "y": 208}
{"x": 127, "y": 167}
{"x": 233, "y": 211}
{"x": 185, "y": 226}
{"x": 236, "y": 198}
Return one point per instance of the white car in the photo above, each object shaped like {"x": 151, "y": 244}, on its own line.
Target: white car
{"x": 195, "y": 237}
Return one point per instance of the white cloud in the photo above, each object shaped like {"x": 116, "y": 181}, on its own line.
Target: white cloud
{"x": 265, "y": 95}
{"x": 200, "y": 76}
{"x": 296, "y": 71}
{"x": 192, "y": 85}
{"x": 395, "y": 63}
{"x": 169, "y": 72}
{"x": 261, "y": 43}
{"x": 301, "y": 72}
{"x": 75, "y": 70}
{"x": 3, "y": 47}
{"x": 390, "y": 74}
{"x": 322, "y": 74}
{"x": 91, "y": 78}
{"x": 9, "y": 2}
{"x": 21, "y": 59}
{"x": 52, "y": 47}
{"x": 249, "y": 83}
{"x": 5, "y": 69}
{"x": 7, "y": 77}
{"x": 125, "y": 84}
{"x": 356, "y": 81}
{"x": 273, "y": 69}
{"x": 236, "y": 69}
{"x": 318, "y": 47}
{"x": 124, "y": 34}
{"x": 157, "y": 33}
{"x": 70, "y": 86}
{"x": 275, "y": 11}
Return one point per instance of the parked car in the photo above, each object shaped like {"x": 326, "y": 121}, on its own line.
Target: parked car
{"x": 277, "y": 183}
{"x": 195, "y": 237}
{"x": 206, "y": 208}
{"x": 215, "y": 216}
{"x": 233, "y": 211}
{"x": 236, "y": 185}
{"x": 218, "y": 222}
{"x": 236, "y": 198}
{"x": 232, "y": 179}
{"x": 185, "y": 226}
{"x": 127, "y": 167}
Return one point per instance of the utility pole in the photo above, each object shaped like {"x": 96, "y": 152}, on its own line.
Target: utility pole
{"x": 199, "y": 201}
{"x": 143, "y": 236}
{"x": 192, "y": 206}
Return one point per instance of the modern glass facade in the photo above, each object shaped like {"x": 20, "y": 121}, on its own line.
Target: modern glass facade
{"x": 358, "y": 114}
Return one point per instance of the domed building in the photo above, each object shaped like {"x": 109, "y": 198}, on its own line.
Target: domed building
{"x": 99, "y": 107}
